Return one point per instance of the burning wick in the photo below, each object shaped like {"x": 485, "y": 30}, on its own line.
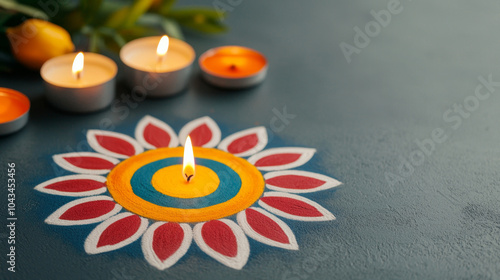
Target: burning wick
{"x": 161, "y": 51}
{"x": 188, "y": 161}
{"x": 77, "y": 66}
{"x": 233, "y": 67}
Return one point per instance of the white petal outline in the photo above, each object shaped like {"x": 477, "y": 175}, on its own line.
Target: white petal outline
{"x": 329, "y": 182}
{"x": 327, "y": 216}
{"x": 243, "y": 250}
{"x": 94, "y": 236}
{"x": 53, "y": 219}
{"x": 261, "y": 133}
{"x": 243, "y": 222}
{"x": 190, "y": 126}
{"x": 92, "y": 140}
{"x": 144, "y": 122}
{"x": 42, "y": 187}
{"x": 59, "y": 159}
{"x": 306, "y": 155}
{"x": 149, "y": 253}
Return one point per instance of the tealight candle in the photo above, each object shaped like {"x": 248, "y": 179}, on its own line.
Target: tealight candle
{"x": 158, "y": 66}
{"x": 233, "y": 67}
{"x": 80, "y": 83}
{"x": 14, "y": 110}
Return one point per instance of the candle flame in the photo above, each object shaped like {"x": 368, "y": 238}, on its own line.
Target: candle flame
{"x": 162, "y": 47}
{"x": 78, "y": 66}
{"x": 188, "y": 166}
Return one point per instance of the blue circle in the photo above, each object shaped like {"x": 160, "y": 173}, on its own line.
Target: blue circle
{"x": 229, "y": 186}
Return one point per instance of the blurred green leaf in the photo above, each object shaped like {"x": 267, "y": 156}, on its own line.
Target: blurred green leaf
{"x": 208, "y": 27}
{"x": 128, "y": 16}
{"x": 106, "y": 10}
{"x": 172, "y": 28}
{"x": 186, "y": 13}
{"x": 201, "y": 19}
{"x": 25, "y": 9}
{"x": 94, "y": 42}
{"x": 134, "y": 32}
{"x": 117, "y": 18}
{"x": 89, "y": 9}
{"x": 72, "y": 21}
{"x": 111, "y": 44}
{"x": 51, "y": 8}
{"x": 166, "y": 6}
{"x": 136, "y": 11}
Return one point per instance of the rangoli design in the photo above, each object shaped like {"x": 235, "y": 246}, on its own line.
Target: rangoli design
{"x": 144, "y": 194}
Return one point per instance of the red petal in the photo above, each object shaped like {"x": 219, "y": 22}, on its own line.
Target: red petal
{"x": 266, "y": 226}
{"x": 116, "y": 145}
{"x": 119, "y": 231}
{"x": 295, "y": 182}
{"x": 277, "y": 159}
{"x": 88, "y": 210}
{"x": 167, "y": 239}
{"x": 292, "y": 206}
{"x": 76, "y": 185}
{"x": 201, "y": 135}
{"x": 156, "y": 136}
{"x": 246, "y": 142}
{"x": 243, "y": 144}
{"x": 90, "y": 162}
{"x": 220, "y": 238}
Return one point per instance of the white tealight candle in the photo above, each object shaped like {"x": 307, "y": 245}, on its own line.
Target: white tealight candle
{"x": 159, "y": 66}
{"x": 80, "y": 86}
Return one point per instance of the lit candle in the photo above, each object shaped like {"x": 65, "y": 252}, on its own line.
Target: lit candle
{"x": 78, "y": 66}
{"x": 14, "y": 110}
{"x": 162, "y": 49}
{"x": 188, "y": 165}
{"x": 158, "y": 66}
{"x": 233, "y": 67}
{"x": 70, "y": 89}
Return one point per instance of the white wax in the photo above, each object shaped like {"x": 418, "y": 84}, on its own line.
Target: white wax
{"x": 141, "y": 54}
{"x": 97, "y": 69}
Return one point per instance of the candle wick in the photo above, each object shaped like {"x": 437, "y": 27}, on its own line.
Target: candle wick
{"x": 233, "y": 67}
{"x": 159, "y": 62}
{"x": 188, "y": 178}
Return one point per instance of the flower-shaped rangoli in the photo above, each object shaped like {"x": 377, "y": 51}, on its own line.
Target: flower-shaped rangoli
{"x": 146, "y": 201}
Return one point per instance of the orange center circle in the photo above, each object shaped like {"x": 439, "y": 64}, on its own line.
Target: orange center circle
{"x": 169, "y": 181}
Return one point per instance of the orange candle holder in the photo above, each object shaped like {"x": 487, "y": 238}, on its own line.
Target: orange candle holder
{"x": 233, "y": 67}
{"x": 14, "y": 110}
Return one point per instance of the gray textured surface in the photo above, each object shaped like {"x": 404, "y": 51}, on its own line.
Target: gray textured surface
{"x": 439, "y": 222}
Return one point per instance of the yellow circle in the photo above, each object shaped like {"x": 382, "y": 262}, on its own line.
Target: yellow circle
{"x": 169, "y": 181}
{"x": 118, "y": 182}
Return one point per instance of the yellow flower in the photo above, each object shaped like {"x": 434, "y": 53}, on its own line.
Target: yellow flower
{"x": 36, "y": 41}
